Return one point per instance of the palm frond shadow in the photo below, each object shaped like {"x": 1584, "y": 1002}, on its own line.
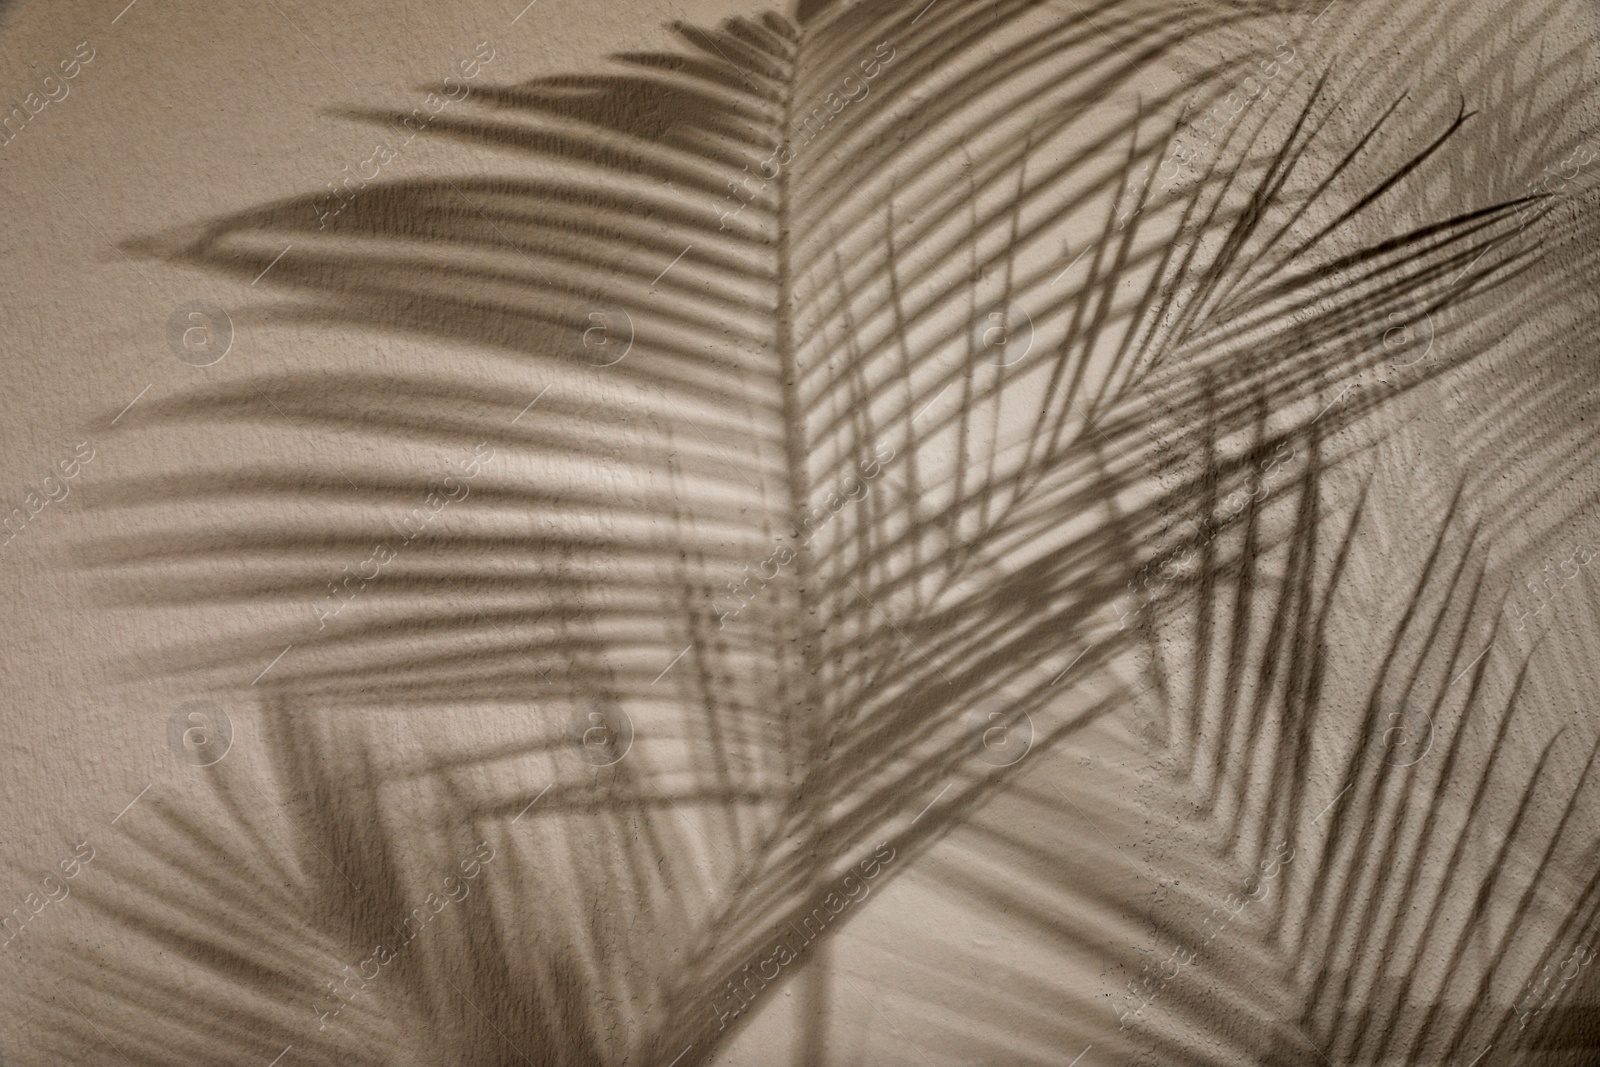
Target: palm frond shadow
{"x": 784, "y": 339}
{"x": 1412, "y": 901}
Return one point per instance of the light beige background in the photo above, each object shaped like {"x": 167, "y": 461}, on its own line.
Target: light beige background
{"x": 192, "y": 110}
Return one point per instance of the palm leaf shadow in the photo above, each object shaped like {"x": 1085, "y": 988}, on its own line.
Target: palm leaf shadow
{"x": 766, "y": 364}
{"x": 1446, "y": 837}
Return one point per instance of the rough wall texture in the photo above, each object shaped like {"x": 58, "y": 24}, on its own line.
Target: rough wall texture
{"x": 184, "y": 115}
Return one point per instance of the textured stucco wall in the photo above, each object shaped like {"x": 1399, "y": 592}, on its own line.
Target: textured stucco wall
{"x": 188, "y": 111}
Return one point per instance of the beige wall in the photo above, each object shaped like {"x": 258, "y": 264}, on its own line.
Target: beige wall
{"x": 187, "y": 111}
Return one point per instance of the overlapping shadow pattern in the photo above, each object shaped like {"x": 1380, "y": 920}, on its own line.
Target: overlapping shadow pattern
{"x": 843, "y": 307}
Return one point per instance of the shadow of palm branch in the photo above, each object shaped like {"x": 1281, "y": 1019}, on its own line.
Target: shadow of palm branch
{"x": 784, "y": 336}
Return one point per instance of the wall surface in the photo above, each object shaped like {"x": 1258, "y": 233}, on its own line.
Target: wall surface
{"x": 187, "y": 112}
